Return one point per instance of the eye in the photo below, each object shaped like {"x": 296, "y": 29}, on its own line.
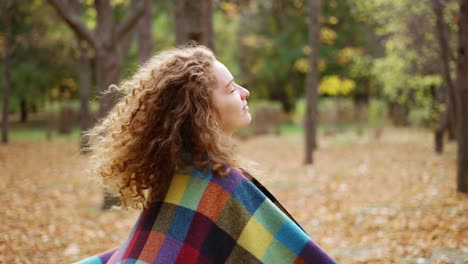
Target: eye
{"x": 233, "y": 88}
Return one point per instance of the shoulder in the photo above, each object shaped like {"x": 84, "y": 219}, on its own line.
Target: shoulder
{"x": 233, "y": 180}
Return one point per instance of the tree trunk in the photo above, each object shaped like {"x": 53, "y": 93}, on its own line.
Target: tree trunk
{"x": 144, "y": 34}
{"x": 23, "y": 110}
{"x": 84, "y": 72}
{"x": 439, "y": 141}
{"x": 108, "y": 58}
{"x": 108, "y": 65}
{"x": 448, "y": 100}
{"x": 399, "y": 114}
{"x": 438, "y": 97}
{"x": 106, "y": 41}
{"x": 312, "y": 81}
{"x": 462, "y": 87}
{"x": 360, "y": 102}
{"x": 110, "y": 200}
{"x": 7, "y": 21}
{"x": 194, "y": 22}
{"x": 451, "y": 131}
{"x": 439, "y": 133}
{"x": 281, "y": 96}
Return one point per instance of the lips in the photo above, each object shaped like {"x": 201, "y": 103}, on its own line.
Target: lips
{"x": 245, "y": 107}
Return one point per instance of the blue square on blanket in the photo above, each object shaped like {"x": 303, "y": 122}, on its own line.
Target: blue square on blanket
{"x": 202, "y": 174}
{"x": 292, "y": 237}
{"x": 180, "y": 226}
{"x": 248, "y": 195}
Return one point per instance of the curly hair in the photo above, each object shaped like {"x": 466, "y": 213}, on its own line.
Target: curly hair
{"x": 164, "y": 121}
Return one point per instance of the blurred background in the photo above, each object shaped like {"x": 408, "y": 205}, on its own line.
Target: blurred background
{"x": 359, "y": 117}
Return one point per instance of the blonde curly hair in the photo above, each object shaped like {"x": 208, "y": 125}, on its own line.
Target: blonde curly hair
{"x": 164, "y": 121}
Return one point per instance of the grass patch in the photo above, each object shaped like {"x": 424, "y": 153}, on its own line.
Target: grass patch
{"x": 37, "y": 132}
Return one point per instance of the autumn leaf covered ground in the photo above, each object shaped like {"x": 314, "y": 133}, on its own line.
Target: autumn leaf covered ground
{"x": 390, "y": 200}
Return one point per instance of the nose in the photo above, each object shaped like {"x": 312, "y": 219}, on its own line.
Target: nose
{"x": 244, "y": 93}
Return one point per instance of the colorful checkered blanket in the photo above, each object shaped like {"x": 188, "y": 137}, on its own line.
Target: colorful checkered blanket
{"x": 213, "y": 219}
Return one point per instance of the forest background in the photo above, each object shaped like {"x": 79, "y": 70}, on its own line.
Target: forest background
{"x": 386, "y": 133}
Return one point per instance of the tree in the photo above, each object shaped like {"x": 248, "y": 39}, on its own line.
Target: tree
{"x": 84, "y": 73}
{"x": 106, "y": 40}
{"x": 446, "y": 57}
{"x": 446, "y": 92}
{"x": 312, "y": 81}
{"x": 273, "y": 53}
{"x": 144, "y": 37}
{"x": 194, "y": 22}
{"x": 415, "y": 71}
{"x": 462, "y": 87}
{"x": 34, "y": 72}
{"x": 7, "y": 20}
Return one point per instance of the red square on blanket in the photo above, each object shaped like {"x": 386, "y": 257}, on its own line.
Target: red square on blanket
{"x": 187, "y": 255}
{"x": 213, "y": 201}
{"x": 152, "y": 246}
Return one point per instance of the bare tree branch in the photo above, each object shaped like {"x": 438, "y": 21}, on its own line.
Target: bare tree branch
{"x": 74, "y": 22}
{"x": 130, "y": 20}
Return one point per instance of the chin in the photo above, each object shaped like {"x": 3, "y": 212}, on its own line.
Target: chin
{"x": 249, "y": 119}
{"x": 244, "y": 124}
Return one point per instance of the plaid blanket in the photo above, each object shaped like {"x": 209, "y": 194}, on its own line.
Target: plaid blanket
{"x": 212, "y": 219}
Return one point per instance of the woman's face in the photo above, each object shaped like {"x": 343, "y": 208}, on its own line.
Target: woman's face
{"x": 230, "y": 100}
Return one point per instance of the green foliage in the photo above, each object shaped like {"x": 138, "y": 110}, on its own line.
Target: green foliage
{"x": 326, "y": 106}
{"x": 408, "y": 72}
{"x": 274, "y": 47}
{"x": 420, "y": 116}
{"x": 163, "y": 23}
{"x": 300, "y": 111}
{"x": 378, "y": 48}
{"x": 256, "y": 104}
{"x": 43, "y": 53}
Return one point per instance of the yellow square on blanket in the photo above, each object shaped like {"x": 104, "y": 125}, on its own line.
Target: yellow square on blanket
{"x": 255, "y": 238}
{"x": 177, "y": 188}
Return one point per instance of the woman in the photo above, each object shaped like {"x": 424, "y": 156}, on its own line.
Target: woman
{"x": 167, "y": 148}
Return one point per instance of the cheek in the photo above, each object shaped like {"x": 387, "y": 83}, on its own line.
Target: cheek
{"x": 225, "y": 107}
{"x": 227, "y": 113}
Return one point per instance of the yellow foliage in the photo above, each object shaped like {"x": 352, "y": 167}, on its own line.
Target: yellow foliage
{"x": 327, "y": 35}
{"x": 249, "y": 41}
{"x": 333, "y": 20}
{"x": 322, "y": 65}
{"x": 346, "y": 54}
{"x": 54, "y": 92}
{"x": 343, "y": 59}
{"x": 119, "y": 2}
{"x": 334, "y": 85}
{"x": 230, "y": 9}
{"x": 302, "y": 65}
{"x": 257, "y": 41}
{"x": 70, "y": 83}
{"x": 298, "y": 4}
